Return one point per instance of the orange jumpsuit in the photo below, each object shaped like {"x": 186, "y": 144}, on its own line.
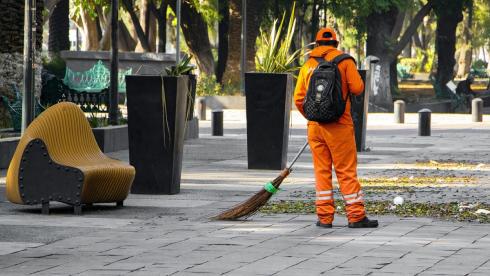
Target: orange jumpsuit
{"x": 334, "y": 143}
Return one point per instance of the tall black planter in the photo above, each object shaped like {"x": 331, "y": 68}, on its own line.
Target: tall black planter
{"x": 156, "y": 121}
{"x": 191, "y": 100}
{"x": 359, "y": 112}
{"x": 268, "y": 99}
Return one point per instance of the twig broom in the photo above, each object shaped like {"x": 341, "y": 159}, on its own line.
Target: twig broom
{"x": 253, "y": 204}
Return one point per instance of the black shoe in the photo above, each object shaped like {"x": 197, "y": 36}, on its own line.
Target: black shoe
{"x": 364, "y": 223}
{"x": 324, "y": 225}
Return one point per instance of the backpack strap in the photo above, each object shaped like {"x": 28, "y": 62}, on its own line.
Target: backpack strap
{"x": 338, "y": 59}
{"x": 322, "y": 58}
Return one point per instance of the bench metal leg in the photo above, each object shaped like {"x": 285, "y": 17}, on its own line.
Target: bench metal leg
{"x": 77, "y": 210}
{"x": 120, "y": 204}
{"x": 45, "y": 208}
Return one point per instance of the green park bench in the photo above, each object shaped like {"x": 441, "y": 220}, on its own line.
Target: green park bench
{"x": 15, "y": 108}
{"x": 479, "y": 72}
{"x": 88, "y": 89}
{"x": 95, "y": 79}
{"x": 403, "y": 71}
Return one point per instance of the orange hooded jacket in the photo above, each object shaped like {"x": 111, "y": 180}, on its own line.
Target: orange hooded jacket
{"x": 351, "y": 80}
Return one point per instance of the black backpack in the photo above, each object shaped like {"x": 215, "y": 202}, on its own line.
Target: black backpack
{"x": 323, "y": 101}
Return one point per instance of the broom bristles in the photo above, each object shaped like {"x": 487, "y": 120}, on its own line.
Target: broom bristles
{"x": 254, "y": 203}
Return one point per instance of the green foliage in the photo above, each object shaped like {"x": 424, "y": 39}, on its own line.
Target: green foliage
{"x": 449, "y": 8}
{"x": 417, "y": 64}
{"x": 481, "y": 24}
{"x": 479, "y": 69}
{"x": 89, "y": 7}
{"x": 479, "y": 64}
{"x": 363, "y": 8}
{"x": 350, "y": 37}
{"x": 274, "y": 55}
{"x": 230, "y": 88}
{"x": 54, "y": 65}
{"x": 445, "y": 211}
{"x": 420, "y": 56}
{"x": 355, "y": 12}
{"x": 409, "y": 63}
{"x": 96, "y": 121}
{"x": 208, "y": 86}
{"x": 183, "y": 67}
{"x": 208, "y": 9}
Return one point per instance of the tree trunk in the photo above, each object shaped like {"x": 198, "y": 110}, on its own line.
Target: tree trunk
{"x": 255, "y": 10}
{"x": 143, "y": 39}
{"x": 162, "y": 26}
{"x": 59, "y": 27}
{"x": 448, "y": 17}
{"x": 382, "y": 43}
{"x": 147, "y": 21}
{"x": 488, "y": 66}
{"x": 465, "y": 52}
{"x": 464, "y": 61}
{"x": 126, "y": 41}
{"x": 276, "y": 9}
{"x": 11, "y": 51}
{"x": 302, "y": 33}
{"x": 422, "y": 39}
{"x": 314, "y": 19}
{"x": 161, "y": 17}
{"x": 90, "y": 35}
{"x": 196, "y": 36}
{"x": 152, "y": 32}
{"x": 11, "y": 26}
{"x": 12, "y": 48}
{"x": 378, "y": 38}
{"x": 223, "y": 29}
{"x": 105, "y": 41}
{"x": 232, "y": 73}
{"x": 39, "y": 25}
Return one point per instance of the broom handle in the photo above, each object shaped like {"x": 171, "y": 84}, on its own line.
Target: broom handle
{"x": 298, "y": 155}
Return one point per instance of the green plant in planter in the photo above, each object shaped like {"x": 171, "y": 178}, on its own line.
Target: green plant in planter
{"x": 97, "y": 121}
{"x": 54, "y": 65}
{"x": 182, "y": 68}
{"x": 274, "y": 54}
{"x": 208, "y": 86}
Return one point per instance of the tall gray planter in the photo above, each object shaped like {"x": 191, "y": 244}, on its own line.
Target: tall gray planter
{"x": 156, "y": 122}
{"x": 268, "y": 105}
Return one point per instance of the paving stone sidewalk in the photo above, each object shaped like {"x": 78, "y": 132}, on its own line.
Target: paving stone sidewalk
{"x": 172, "y": 235}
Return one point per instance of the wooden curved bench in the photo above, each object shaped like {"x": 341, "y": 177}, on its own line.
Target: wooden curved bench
{"x": 58, "y": 159}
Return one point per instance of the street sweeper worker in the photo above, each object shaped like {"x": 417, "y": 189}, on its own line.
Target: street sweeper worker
{"x": 330, "y": 127}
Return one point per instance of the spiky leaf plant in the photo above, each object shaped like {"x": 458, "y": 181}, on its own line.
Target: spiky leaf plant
{"x": 275, "y": 56}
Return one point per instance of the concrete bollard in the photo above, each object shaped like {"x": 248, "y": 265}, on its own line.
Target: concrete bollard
{"x": 477, "y": 110}
{"x": 399, "y": 112}
{"x": 202, "y": 109}
{"x": 217, "y": 123}
{"x": 424, "y": 122}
